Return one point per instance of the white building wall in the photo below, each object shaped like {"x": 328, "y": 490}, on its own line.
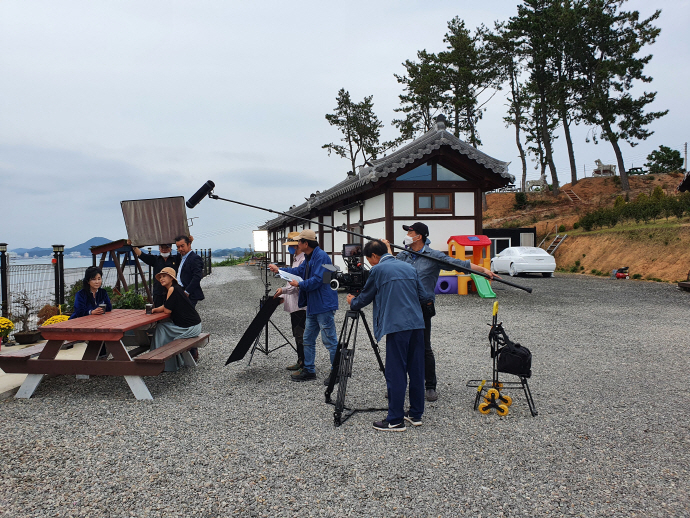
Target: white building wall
{"x": 403, "y": 204}
{"x": 374, "y": 208}
{"x": 375, "y": 230}
{"x": 439, "y": 230}
{"x": 464, "y": 204}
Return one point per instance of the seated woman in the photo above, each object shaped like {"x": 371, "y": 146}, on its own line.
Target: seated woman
{"x": 186, "y": 322}
{"x": 91, "y": 295}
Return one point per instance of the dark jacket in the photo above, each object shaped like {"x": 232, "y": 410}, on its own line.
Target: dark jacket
{"x": 313, "y": 293}
{"x": 84, "y": 302}
{"x": 397, "y": 293}
{"x": 157, "y": 263}
{"x": 190, "y": 275}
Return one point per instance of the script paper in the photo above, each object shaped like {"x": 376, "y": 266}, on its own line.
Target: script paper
{"x": 289, "y": 277}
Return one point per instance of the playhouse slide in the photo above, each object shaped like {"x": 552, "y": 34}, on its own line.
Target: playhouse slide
{"x": 483, "y": 287}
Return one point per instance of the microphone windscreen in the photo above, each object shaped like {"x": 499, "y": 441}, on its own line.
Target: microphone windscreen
{"x": 200, "y": 194}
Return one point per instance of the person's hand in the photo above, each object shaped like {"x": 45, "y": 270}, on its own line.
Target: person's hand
{"x": 129, "y": 241}
{"x": 388, "y": 245}
{"x": 273, "y": 268}
{"x": 191, "y": 238}
{"x": 294, "y": 283}
{"x": 186, "y": 293}
{"x": 97, "y": 311}
{"x": 350, "y": 298}
{"x": 278, "y": 293}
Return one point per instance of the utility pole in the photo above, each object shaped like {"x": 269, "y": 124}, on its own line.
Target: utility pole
{"x": 685, "y": 166}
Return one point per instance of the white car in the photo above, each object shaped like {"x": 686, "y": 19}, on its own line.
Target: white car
{"x": 524, "y": 259}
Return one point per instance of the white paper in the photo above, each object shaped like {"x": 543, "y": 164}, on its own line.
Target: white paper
{"x": 289, "y": 277}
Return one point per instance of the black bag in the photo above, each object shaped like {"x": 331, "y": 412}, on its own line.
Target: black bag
{"x": 515, "y": 359}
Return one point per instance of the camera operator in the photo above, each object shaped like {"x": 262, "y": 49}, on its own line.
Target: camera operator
{"x": 429, "y": 270}
{"x": 320, "y": 300}
{"x": 290, "y": 296}
{"x": 398, "y": 295}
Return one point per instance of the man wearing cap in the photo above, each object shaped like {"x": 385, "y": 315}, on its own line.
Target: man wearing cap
{"x": 428, "y": 271}
{"x": 320, "y": 300}
{"x": 164, "y": 259}
{"x": 290, "y": 296}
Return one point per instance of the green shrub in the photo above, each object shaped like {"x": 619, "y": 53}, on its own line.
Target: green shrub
{"x": 130, "y": 299}
{"x": 637, "y": 276}
{"x": 576, "y": 225}
{"x": 520, "y": 201}
{"x": 561, "y": 228}
{"x": 616, "y": 180}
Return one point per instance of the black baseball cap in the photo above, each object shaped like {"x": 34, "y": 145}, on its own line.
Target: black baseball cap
{"x": 418, "y": 227}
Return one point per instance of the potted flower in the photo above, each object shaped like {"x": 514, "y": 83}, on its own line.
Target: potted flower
{"x": 6, "y": 327}
{"x": 26, "y": 335}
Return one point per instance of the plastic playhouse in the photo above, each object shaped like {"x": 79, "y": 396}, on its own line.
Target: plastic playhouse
{"x": 451, "y": 281}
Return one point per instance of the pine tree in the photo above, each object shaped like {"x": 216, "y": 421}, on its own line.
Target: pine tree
{"x": 610, "y": 66}
{"x": 361, "y": 130}
{"x": 423, "y": 97}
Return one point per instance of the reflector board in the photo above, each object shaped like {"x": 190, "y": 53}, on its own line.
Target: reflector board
{"x": 155, "y": 221}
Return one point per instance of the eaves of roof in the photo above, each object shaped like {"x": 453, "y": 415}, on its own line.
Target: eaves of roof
{"x": 418, "y": 148}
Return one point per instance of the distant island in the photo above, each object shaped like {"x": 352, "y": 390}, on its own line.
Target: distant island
{"x": 84, "y": 249}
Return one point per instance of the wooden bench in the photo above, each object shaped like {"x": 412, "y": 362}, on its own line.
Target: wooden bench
{"x": 23, "y": 354}
{"x": 180, "y": 346}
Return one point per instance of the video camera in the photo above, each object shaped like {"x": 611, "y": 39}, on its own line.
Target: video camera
{"x": 355, "y": 278}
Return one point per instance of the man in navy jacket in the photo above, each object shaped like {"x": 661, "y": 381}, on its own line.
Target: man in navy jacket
{"x": 397, "y": 293}
{"x": 190, "y": 270}
{"x": 320, "y": 299}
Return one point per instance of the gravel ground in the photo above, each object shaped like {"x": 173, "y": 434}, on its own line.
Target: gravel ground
{"x": 611, "y": 439}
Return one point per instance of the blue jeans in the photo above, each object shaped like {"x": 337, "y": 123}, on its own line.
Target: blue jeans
{"x": 324, "y": 322}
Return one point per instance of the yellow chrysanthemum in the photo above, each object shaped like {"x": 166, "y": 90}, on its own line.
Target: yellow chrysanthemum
{"x": 6, "y": 324}
{"x": 55, "y": 320}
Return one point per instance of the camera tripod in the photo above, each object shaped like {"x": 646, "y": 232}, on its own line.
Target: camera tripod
{"x": 262, "y": 345}
{"x": 344, "y": 358}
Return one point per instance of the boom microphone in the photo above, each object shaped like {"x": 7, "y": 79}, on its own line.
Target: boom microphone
{"x": 200, "y": 194}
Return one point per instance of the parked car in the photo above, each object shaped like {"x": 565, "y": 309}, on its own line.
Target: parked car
{"x": 524, "y": 259}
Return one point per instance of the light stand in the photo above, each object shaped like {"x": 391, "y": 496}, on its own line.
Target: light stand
{"x": 259, "y": 345}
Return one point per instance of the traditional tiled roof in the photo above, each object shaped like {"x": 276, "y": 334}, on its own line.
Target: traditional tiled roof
{"x": 424, "y": 145}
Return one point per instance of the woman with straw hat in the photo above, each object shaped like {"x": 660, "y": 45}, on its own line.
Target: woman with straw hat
{"x": 290, "y": 296}
{"x": 184, "y": 322}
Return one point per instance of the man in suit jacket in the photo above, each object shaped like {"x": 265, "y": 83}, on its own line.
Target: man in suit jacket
{"x": 189, "y": 275}
{"x": 190, "y": 270}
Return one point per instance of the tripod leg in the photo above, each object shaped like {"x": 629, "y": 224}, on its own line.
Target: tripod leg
{"x": 254, "y": 348}
{"x": 342, "y": 343}
{"x": 374, "y": 344}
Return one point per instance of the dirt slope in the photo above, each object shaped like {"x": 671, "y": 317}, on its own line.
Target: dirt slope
{"x": 657, "y": 250}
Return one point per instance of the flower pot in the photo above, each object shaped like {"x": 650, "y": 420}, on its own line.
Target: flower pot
{"x": 27, "y": 337}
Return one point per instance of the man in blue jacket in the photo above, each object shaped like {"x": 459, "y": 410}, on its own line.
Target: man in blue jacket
{"x": 320, "y": 299}
{"x": 397, "y": 293}
{"x": 428, "y": 271}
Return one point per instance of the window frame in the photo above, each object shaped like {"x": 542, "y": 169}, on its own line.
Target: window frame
{"x": 433, "y": 210}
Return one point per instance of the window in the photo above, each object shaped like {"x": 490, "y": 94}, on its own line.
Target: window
{"x": 421, "y": 173}
{"x": 434, "y": 203}
{"x": 446, "y": 175}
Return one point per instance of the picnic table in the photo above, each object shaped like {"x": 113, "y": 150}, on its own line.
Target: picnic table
{"x": 96, "y": 330}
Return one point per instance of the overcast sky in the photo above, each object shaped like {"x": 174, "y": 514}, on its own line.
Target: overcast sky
{"x": 108, "y": 101}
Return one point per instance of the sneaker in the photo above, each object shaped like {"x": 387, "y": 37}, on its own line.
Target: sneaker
{"x": 431, "y": 395}
{"x": 303, "y": 375}
{"x": 385, "y": 426}
{"x": 325, "y": 382}
{"x": 414, "y": 421}
{"x": 297, "y": 366}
